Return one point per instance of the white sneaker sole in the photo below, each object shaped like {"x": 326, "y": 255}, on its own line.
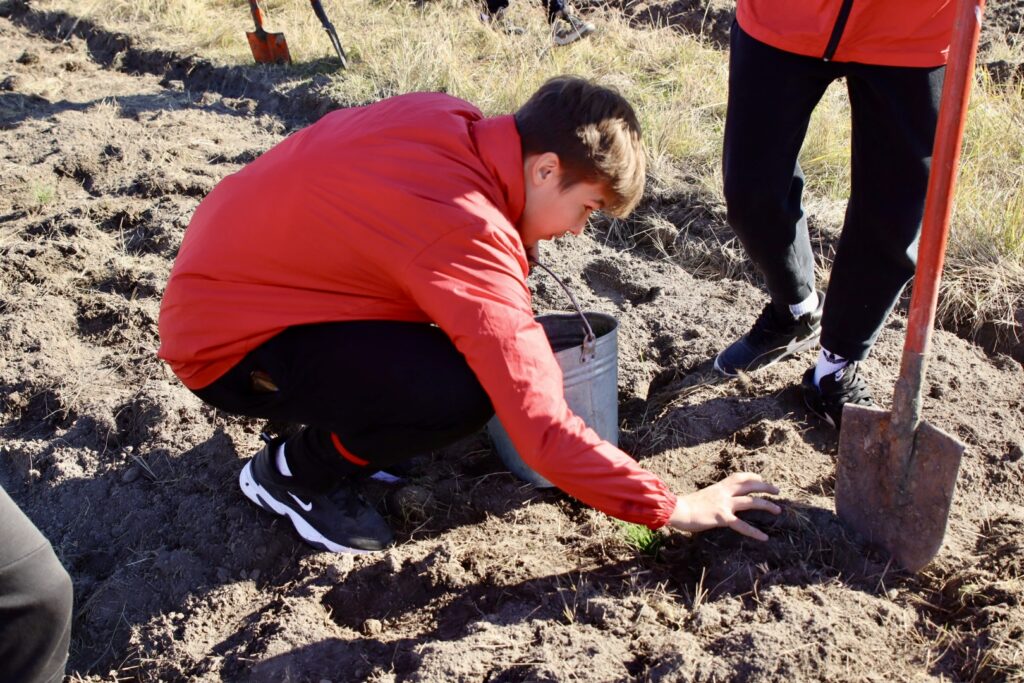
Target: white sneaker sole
{"x": 259, "y": 496}
{"x": 576, "y": 35}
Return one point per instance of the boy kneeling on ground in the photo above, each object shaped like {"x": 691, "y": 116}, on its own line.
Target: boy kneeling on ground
{"x": 366, "y": 277}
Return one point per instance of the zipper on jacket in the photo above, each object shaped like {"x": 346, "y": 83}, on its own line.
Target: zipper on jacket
{"x": 837, "y": 30}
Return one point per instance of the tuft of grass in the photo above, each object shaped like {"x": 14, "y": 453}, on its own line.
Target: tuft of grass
{"x": 643, "y": 539}
{"x": 40, "y": 196}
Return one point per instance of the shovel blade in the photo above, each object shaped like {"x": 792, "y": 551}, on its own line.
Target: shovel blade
{"x": 898, "y": 502}
{"x": 269, "y": 48}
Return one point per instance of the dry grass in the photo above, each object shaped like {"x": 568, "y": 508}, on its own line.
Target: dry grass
{"x": 677, "y": 84}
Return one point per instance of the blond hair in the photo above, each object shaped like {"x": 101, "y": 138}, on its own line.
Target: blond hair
{"x": 595, "y": 133}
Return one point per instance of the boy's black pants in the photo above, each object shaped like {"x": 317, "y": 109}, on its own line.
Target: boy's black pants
{"x": 371, "y": 393}
{"x": 35, "y": 601}
{"x": 894, "y": 109}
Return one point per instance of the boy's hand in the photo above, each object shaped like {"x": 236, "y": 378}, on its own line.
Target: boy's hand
{"x": 718, "y": 504}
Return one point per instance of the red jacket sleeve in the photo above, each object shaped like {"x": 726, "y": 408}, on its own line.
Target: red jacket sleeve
{"x": 472, "y": 285}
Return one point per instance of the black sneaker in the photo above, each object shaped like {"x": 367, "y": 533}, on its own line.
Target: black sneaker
{"x": 568, "y": 28}
{"x": 773, "y": 338}
{"x": 339, "y": 520}
{"x": 834, "y": 391}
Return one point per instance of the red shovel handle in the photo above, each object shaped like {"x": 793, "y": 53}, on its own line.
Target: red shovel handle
{"x": 257, "y": 14}
{"x": 956, "y": 91}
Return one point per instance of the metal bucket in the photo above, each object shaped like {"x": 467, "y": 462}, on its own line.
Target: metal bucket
{"x": 586, "y": 348}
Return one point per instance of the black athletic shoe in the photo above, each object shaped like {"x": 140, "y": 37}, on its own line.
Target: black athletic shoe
{"x": 773, "y": 338}
{"x": 834, "y": 391}
{"x": 567, "y": 28}
{"x": 338, "y": 520}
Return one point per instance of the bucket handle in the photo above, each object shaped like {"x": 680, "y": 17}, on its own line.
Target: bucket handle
{"x": 589, "y": 348}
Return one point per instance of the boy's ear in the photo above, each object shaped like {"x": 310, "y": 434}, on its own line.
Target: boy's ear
{"x": 543, "y": 168}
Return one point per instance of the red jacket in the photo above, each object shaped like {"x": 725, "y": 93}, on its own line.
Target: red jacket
{"x": 402, "y": 210}
{"x": 885, "y": 32}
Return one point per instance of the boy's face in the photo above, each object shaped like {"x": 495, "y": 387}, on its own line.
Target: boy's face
{"x": 552, "y": 211}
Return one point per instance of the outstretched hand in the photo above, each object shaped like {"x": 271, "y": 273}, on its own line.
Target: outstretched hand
{"x": 717, "y": 505}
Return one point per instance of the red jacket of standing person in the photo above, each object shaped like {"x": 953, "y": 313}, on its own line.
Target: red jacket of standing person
{"x": 884, "y": 32}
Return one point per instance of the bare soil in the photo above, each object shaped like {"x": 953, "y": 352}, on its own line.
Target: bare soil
{"x": 106, "y": 150}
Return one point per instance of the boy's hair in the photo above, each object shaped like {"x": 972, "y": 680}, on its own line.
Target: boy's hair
{"x": 594, "y": 132}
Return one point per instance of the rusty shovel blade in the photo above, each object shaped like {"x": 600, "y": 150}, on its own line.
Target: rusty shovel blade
{"x": 897, "y": 500}
{"x": 269, "y": 48}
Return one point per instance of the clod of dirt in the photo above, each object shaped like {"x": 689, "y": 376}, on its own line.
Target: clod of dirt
{"x": 28, "y": 57}
{"x": 113, "y": 152}
{"x": 1002, "y": 71}
{"x": 131, "y": 474}
{"x": 10, "y": 84}
{"x": 79, "y": 167}
{"x": 411, "y": 503}
{"x": 1015, "y": 453}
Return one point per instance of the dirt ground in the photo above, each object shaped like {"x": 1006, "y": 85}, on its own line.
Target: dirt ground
{"x": 106, "y": 150}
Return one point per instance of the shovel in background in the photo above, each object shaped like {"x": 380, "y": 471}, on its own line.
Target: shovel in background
{"x": 318, "y": 9}
{"x": 896, "y": 474}
{"x": 267, "y": 48}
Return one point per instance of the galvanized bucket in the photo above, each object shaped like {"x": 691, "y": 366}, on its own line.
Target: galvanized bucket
{"x": 586, "y": 348}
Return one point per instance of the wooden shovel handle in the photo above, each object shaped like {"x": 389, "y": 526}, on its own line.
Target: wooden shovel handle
{"x": 956, "y": 91}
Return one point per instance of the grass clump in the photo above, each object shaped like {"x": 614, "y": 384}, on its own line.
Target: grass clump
{"x": 641, "y": 538}
{"x": 41, "y": 195}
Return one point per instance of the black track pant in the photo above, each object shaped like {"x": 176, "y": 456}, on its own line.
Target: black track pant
{"x": 553, "y": 7}
{"x": 371, "y": 393}
{"x": 771, "y": 96}
{"x": 35, "y": 601}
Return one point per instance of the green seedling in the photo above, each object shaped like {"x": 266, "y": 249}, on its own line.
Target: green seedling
{"x": 41, "y": 195}
{"x": 643, "y": 539}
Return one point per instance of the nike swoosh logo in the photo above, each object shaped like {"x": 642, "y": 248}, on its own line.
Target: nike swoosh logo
{"x": 302, "y": 504}
{"x": 795, "y": 343}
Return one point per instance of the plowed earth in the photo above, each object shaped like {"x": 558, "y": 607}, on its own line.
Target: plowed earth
{"x": 105, "y": 150}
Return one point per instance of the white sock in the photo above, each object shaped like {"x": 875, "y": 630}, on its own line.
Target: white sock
{"x": 828, "y": 364}
{"x": 281, "y": 461}
{"x": 808, "y": 305}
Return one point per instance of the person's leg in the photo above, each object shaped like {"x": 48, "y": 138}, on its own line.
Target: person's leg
{"x": 554, "y": 9}
{"x": 371, "y": 393}
{"x": 496, "y": 6}
{"x": 895, "y": 110}
{"x": 772, "y": 94}
{"x": 495, "y": 15}
{"x": 35, "y": 601}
